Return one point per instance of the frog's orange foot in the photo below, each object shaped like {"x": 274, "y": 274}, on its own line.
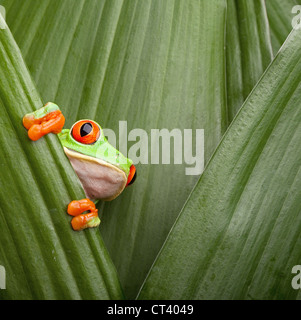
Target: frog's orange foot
{"x": 82, "y": 221}
{"x": 48, "y": 119}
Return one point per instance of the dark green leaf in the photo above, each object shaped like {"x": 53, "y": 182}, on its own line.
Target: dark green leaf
{"x": 280, "y": 19}
{"x": 249, "y": 49}
{"x": 43, "y": 257}
{"x": 238, "y": 236}
{"x": 154, "y": 64}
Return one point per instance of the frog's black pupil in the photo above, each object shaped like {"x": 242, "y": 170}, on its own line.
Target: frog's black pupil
{"x": 85, "y": 129}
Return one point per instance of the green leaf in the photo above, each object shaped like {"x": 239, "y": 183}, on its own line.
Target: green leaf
{"x": 152, "y": 63}
{"x": 280, "y": 19}
{"x": 238, "y": 235}
{"x": 42, "y": 256}
{"x": 155, "y": 64}
{"x": 249, "y": 49}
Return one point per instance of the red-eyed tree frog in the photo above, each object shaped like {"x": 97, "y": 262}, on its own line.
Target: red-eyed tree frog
{"x": 103, "y": 171}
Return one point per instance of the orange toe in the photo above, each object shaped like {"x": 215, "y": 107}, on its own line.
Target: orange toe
{"x": 83, "y": 221}
{"x": 77, "y": 207}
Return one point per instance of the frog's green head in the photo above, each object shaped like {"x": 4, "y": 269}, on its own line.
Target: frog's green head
{"x": 103, "y": 171}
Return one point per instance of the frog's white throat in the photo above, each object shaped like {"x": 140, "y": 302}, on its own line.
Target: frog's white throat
{"x": 100, "y": 179}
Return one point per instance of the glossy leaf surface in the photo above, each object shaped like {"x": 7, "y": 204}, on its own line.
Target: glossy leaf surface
{"x": 238, "y": 236}
{"x": 42, "y": 256}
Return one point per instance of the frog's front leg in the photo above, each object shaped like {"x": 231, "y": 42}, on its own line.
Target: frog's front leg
{"x": 48, "y": 119}
{"x": 82, "y": 221}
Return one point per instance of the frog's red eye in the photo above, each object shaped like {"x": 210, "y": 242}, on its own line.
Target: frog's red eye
{"x": 132, "y": 175}
{"x": 85, "y": 131}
